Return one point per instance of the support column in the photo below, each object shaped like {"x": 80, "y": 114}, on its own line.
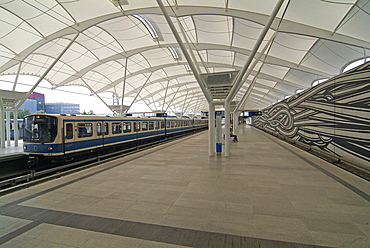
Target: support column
{"x": 16, "y": 134}
{"x": 7, "y": 128}
{"x": 227, "y": 128}
{"x": 2, "y": 124}
{"x": 236, "y": 119}
{"x": 211, "y": 130}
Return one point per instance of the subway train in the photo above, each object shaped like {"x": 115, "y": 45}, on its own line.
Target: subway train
{"x": 56, "y": 139}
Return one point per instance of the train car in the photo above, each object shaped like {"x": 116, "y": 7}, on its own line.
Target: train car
{"x": 55, "y": 139}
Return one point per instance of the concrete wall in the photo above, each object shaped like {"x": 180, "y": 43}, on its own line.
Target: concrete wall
{"x": 333, "y": 116}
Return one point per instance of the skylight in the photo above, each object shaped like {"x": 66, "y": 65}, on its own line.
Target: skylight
{"x": 148, "y": 25}
{"x": 319, "y": 81}
{"x": 174, "y": 53}
{"x": 356, "y": 63}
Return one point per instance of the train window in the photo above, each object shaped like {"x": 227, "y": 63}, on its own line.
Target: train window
{"x": 151, "y": 125}
{"x": 162, "y": 125}
{"x": 144, "y": 126}
{"x": 99, "y": 129}
{"x": 40, "y": 129}
{"x": 127, "y": 127}
{"x": 168, "y": 124}
{"x": 116, "y": 127}
{"x": 136, "y": 126}
{"x": 106, "y": 129}
{"x": 69, "y": 131}
{"x": 84, "y": 130}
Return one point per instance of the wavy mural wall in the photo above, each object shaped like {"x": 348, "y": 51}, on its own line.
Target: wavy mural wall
{"x": 334, "y": 116}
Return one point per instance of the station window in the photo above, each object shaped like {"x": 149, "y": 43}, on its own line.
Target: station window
{"x": 69, "y": 131}
{"x": 151, "y": 125}
{"x": 127, "y": 127}
{"x": 144, "y": 126}
{"x": 116, "y": 127}
{"x": 84, "y": 130}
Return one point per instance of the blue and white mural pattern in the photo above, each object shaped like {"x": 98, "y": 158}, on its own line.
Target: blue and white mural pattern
{"x": 334, "y": 116}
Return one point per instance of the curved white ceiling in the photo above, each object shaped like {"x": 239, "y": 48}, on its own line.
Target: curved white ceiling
{"x": 315, "y": 39}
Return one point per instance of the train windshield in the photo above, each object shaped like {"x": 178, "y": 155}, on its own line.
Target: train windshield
{"x": 40, "y": 128}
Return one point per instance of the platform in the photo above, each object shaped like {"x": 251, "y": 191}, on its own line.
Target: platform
{"x": 9, "y": 150}
{"x": 268, "y": 193}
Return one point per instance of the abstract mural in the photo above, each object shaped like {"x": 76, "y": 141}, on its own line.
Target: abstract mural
{"x": 334, "y": 116}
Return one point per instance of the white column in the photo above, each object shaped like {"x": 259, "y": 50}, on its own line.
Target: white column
{"x": 236, "y": 119}
{"x": 16, "y": 134}
{"x": 211, "y": 130}
{"x": 7, "y": 128}
{"x": 227, "y": 128}
{"x": 2, "y": 124}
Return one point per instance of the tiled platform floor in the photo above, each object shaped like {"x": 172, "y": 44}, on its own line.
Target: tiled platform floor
{"x": 7, "y": 150}
{"x": 266, "y": 194}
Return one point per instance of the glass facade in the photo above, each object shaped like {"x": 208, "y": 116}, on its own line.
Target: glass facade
{"x": 62, "y": 108}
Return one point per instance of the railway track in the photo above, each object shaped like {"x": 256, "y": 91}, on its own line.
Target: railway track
{"x": 32, "y": 177}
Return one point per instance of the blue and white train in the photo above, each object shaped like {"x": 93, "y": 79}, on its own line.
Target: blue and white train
{"x": 54, "y": 139}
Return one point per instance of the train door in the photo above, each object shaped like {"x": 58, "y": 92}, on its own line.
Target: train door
{"x": 137, "y": 132}
{"x": 101, "y": 132}
{"x": 69, "y": 137}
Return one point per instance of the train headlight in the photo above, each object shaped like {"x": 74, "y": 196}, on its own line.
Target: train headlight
{"x": 50, "y": 148}
{"x": 24, "y": 147}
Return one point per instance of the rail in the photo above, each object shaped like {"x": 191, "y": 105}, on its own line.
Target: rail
{"x": 35, "y": 177}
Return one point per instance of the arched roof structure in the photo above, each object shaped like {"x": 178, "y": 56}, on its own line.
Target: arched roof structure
{"x": 126, "y": 47}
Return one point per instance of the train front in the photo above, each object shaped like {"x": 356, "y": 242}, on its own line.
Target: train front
{"x": 40, "y": 132}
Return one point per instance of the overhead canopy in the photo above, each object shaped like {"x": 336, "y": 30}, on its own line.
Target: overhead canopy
{"x": 9, "y": 99}
{"x": 126, "y": 46}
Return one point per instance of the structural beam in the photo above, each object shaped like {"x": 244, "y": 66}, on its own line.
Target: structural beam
{"x": 184, "y": 51}
{"x": 47, "y": 71}
{"x": 124, "y": 86}
{"x": 142, "y": 87}
{"x": 92, "y": 90}
{"x": 238, "y": 80}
